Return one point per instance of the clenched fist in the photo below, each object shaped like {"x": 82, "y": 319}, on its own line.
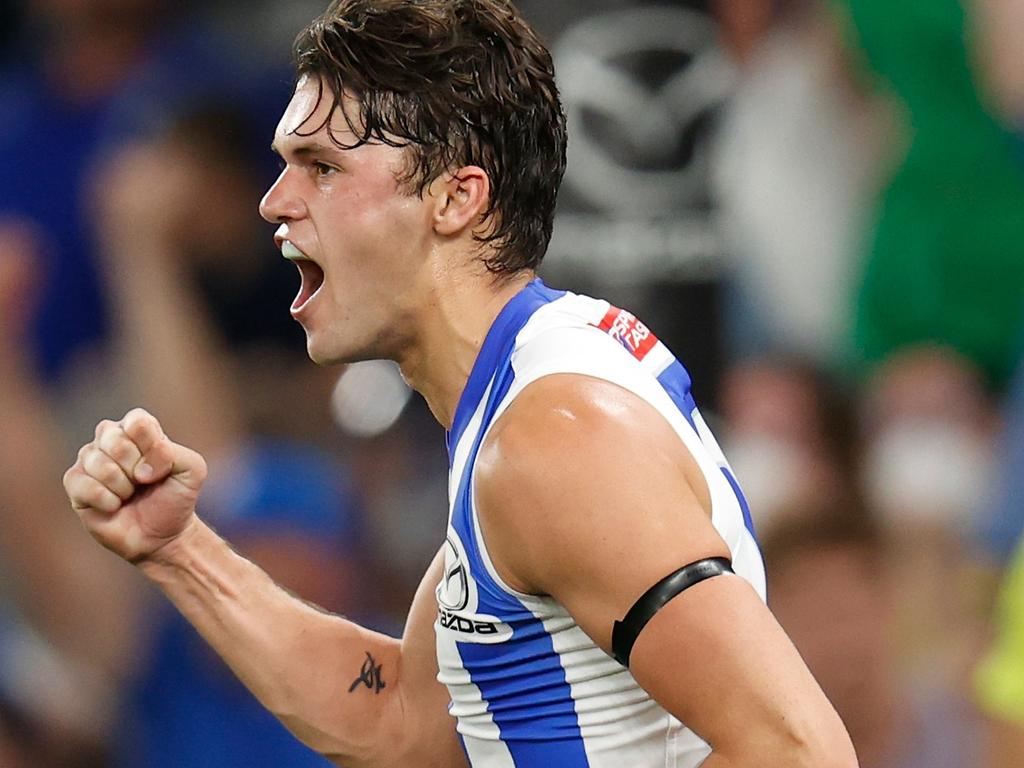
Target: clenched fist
{"x": 133, "y": 488}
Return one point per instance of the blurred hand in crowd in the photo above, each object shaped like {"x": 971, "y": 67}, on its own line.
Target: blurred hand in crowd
{"x": 20, "y": 262}
{"x": 173, "y": 194}
{"x": 998, "y": 37}
{"x": 144, "y": 196}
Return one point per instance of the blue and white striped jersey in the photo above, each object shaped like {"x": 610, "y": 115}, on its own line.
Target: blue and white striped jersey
{"x": 528, "y": 686}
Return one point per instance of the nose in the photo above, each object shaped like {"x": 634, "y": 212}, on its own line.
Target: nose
{"x": 281, "y": 203}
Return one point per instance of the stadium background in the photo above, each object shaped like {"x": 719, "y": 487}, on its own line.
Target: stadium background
{"x": 818, "y": 204}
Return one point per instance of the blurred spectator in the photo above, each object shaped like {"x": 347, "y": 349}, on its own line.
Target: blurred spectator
{"x": 831, "y": 588}
{"x": 52, "y": 679}
{"x": 789, "y": 435}
{"x": 791, "y": 167}
{"x": 945, "y": 262}
{"x": 84, "y": 75}
{"x": 199, "y": 293}
{"x": 928, "y": 426}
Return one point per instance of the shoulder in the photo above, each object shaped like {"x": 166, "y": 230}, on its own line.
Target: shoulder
{"x": 560, "y": 422}
{"x": 573, "y": 465}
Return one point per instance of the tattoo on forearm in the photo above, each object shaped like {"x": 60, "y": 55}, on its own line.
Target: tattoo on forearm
{"x": 369, "y": 676}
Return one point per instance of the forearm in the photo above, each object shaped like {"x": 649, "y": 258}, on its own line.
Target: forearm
{"x": 334, "y": 684}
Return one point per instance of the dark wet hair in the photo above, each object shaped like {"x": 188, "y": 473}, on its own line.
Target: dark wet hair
{"x": 457, "y": 82}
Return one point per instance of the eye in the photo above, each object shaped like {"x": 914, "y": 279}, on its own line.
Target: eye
{"x": 322, "y": 169}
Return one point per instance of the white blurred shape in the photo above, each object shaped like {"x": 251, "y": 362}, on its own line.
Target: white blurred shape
{"x": 771, "y": 472}
{"x": 369, "y": 398}
{"x": 927, "y": 472}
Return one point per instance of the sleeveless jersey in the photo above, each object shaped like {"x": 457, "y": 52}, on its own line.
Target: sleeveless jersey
{"x": 528, "y": 687}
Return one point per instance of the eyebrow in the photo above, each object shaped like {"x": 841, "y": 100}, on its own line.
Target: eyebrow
{"x": 304, "y": 150}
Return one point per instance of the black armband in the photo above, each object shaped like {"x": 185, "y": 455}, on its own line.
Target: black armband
{"x": 625, "y": 632}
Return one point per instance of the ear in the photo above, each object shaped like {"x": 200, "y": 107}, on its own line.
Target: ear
{"x": 461, "y": 200}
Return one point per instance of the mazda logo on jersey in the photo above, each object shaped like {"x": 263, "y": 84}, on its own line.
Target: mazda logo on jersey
{"x": 453, "y": 591}
{"x": 457, "y": 601}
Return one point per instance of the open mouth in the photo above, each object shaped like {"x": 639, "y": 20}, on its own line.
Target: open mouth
{"x": 311, "y": 274}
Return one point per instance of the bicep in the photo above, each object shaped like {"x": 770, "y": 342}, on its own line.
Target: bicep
{"x": 717, "y": 659}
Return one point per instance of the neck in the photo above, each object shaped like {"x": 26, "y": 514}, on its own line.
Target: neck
{"x": 456, "y": 320}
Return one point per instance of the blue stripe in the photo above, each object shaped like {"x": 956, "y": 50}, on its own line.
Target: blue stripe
{"x": 495, "y": 351}
{"x": 462, "y": 517}
{"x": 748, "y": 519}
{"x": 535, "y": 703}
{"x": 676, "y": 383}
{"x": 522, "y": 680}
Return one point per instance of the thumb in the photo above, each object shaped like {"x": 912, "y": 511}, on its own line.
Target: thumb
{"x": 166, "y": 459}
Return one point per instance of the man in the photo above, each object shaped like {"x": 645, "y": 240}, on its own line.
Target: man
{"x": 423, "y": 148}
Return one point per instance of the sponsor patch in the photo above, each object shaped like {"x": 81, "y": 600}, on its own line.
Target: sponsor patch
{"x": 626, "y": 329}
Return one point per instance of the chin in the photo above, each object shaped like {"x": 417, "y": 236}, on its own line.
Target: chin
{"x": 316, "y": 351}
{"x": 321, "y": 352}
{"x": 320, "y": 357}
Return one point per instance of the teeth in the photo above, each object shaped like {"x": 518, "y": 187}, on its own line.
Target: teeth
{"x": 289, "y": 251}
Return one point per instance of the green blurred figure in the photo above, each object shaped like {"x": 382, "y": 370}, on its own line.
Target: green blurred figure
{"x": 945, "y": 262}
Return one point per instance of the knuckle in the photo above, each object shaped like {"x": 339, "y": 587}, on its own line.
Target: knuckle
{"x": 162, "y": 451}
{"x": 137, "y": 415}
{"x": 81, "y": 490}
{"x": 102, "y": 468}
{"x": 91, "y": 459}
{"x": 102, "y": 499}
{"x": 110, "y": 474}
{"x": 138, "y": 422}
{"x": 116, "y": 445}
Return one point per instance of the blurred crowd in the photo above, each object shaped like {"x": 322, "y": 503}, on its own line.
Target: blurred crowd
{"x": 818, "y": 204}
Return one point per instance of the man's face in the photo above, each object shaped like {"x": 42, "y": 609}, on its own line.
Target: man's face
{"x": 359, "y": 239}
